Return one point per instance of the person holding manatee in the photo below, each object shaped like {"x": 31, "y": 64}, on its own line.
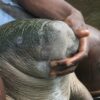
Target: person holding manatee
{"x": 61, "y": 10}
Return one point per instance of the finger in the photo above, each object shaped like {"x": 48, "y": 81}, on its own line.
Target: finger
{"x": 66, "y": 62}
{"x": 55, "y": 63}
{"x": 63, "y": 61}
{"x": 67, "y": 71}
{"x": 82, "y": 33}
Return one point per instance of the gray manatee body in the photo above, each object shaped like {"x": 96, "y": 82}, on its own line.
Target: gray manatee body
{"x": 26, "y": 48}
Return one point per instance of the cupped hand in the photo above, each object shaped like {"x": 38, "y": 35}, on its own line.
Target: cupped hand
{"x": 77, "y": 23}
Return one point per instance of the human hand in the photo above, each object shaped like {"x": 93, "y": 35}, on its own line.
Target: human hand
{"x": 58, "y": 68}
{"x": 68, "y": 65}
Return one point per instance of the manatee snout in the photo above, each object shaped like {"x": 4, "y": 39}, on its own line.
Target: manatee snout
{"x": 30, "y": 44}
{"x": 56, "y": 41}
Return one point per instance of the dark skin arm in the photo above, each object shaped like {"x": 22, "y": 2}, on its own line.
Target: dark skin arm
{"x": 61, "y": 10}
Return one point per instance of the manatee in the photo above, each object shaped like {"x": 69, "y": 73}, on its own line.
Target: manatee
{"x": 26, "y": 48}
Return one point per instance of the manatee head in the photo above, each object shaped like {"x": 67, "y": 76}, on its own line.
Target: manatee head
{"x": 52, "y": 40}
{"x": 30, "y": 44}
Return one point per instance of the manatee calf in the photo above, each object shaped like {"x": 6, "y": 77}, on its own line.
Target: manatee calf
{"x": 26, "y": 48}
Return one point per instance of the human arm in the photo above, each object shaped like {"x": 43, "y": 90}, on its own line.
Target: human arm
{"x": 59, "y": 10}
{"x": 52, "y": 9}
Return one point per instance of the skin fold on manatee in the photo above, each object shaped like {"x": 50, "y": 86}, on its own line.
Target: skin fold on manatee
{"x": 26, "y": 48}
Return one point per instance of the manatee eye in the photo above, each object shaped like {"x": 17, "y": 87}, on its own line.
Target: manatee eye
{"x": 19, "y": 40}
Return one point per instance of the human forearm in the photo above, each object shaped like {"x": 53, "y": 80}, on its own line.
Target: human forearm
{"x": 52, "y": 9}
{"x": 56, "y": 9}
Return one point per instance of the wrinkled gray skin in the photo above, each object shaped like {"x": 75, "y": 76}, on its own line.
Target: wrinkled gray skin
{"x": 26, "y": 47}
